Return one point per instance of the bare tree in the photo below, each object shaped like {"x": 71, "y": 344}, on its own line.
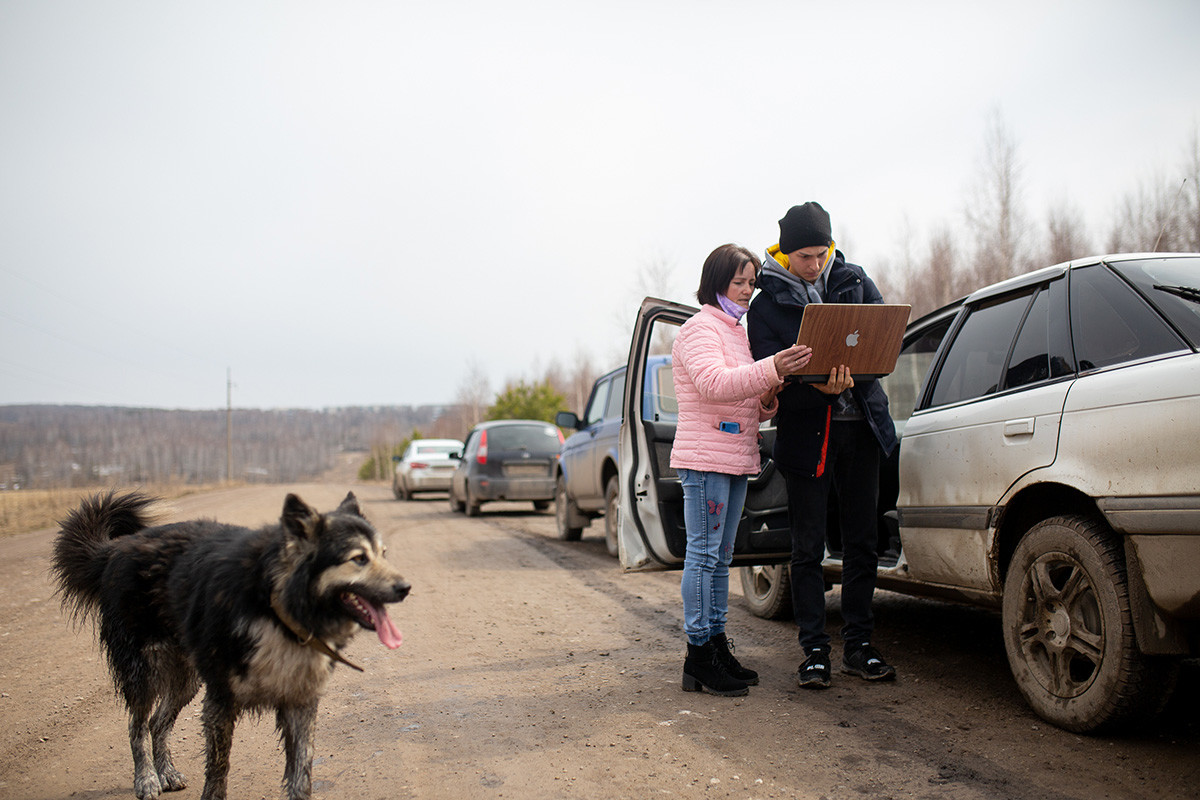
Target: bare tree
{"x": 947, "y": 281}
{"x": 993, "y": 214}
{"x": 1191, "y": 197}
{"x": 1066, "y": 237}
{"x": 583, "y": 375}
{"x": 1150, "y": 219}
{"x": 655, "y": 278}
{"x": 474, "y": 394}
{"x": 894, "y": 279}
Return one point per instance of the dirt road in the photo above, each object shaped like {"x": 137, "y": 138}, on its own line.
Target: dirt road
{"x": 533, "y": 669}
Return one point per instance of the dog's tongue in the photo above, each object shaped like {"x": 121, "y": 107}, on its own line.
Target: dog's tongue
{"x": 387, "y": 631}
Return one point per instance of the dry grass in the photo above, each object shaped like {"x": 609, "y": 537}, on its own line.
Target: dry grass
{"x": 33, "y": 510}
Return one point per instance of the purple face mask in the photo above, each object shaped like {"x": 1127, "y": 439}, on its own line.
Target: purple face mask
{"x": 731, "y": 308}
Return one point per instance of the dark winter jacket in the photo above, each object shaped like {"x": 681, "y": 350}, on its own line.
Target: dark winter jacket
{"x": 805, "y": 413}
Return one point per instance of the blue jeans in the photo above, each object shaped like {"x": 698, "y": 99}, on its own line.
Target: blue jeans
{"x": 712, "y": 508}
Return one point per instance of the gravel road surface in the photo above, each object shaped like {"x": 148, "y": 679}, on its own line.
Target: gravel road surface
{"x": 532, "y": 668}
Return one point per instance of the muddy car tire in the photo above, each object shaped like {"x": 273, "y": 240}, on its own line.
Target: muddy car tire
{"x": 472, "y": 505}
{"x": 768, "y": 590}
{"x": 612, "y": 515}
{"x": 563, "y": 513}
{"x": 1068, "y": 629}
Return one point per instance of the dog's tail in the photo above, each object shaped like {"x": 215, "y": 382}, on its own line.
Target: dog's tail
{"x": 81, "y": 550}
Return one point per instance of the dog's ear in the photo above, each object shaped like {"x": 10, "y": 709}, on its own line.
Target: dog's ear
{"x": 350, "y": 506}
{"x": 299, "y": 519}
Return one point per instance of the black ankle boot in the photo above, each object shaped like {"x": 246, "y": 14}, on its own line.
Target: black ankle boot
{"x": 704, "y": 672}
{"x": 725, "y": 654}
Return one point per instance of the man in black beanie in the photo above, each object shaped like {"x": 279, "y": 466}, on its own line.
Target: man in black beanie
{"x": 830, "y": 435}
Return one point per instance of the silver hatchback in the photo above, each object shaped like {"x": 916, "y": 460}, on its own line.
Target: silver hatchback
{"x": 1049, "y": 467}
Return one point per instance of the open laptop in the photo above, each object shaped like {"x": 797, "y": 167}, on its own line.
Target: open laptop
{"x": 865, "y": 337}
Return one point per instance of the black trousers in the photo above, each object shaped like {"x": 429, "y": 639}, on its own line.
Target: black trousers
{"x": 852, "y": 468}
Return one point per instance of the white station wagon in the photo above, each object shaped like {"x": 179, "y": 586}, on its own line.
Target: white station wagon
{"x": 1049, "y": 467}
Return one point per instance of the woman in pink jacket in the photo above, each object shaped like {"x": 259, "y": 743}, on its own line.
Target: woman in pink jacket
{"x": 723, "y": 394}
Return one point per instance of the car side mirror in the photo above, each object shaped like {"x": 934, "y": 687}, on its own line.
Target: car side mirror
{"x": 397, "y": 459}
{"x": 565, "y": 419}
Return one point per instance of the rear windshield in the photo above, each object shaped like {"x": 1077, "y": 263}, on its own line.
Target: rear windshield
{"x": 537, "y": 439}
{"x": 1173, "y": 286}
{"x": 438, "y": 449}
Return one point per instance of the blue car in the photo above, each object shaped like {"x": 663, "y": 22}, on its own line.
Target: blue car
{"x": 586, "y": 480}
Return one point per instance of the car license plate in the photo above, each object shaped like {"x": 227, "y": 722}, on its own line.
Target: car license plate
{"x": 525, "y": 470}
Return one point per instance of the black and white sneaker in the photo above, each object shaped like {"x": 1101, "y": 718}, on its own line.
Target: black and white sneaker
{"x": 866, "y": 662}
{"x": 816, "y": 669}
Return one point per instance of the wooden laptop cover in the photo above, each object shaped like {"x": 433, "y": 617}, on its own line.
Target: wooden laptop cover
{"x": 864, "y": 337}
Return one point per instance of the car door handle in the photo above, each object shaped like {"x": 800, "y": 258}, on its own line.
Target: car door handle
{"x": 1019, "y": 427}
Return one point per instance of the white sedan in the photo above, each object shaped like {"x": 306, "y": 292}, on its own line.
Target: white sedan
{"x": 426, "y": 466}
{"x": 1049, "y": 467}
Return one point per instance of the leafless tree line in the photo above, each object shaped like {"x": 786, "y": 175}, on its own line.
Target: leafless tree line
{"x": 999, "y": 238}
{"x": 52, "y": 446}
{"x": 64, "y": 446}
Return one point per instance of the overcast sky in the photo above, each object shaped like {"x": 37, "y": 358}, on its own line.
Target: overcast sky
{"x": 349, "y": 203}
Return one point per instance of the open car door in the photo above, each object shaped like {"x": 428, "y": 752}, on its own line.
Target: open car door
{"x": 652, "y": 534}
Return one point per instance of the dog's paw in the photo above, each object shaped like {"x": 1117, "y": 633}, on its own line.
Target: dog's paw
{"x": 147, "y": 787}
{"x": 172, "y": 780}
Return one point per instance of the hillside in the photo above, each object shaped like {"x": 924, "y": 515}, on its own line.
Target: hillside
{"x": 55, "y": 446}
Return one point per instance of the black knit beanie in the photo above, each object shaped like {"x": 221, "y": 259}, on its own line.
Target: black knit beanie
{"x": 804, "y": 226}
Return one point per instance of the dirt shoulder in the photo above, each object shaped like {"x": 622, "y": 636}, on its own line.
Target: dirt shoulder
{"x": 532, "y": 668}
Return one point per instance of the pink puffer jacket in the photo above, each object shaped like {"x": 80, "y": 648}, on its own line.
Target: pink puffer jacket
{"x": 717, "y": 380}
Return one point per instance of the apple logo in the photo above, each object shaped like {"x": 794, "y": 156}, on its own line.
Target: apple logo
{"x": 852, "y": 340}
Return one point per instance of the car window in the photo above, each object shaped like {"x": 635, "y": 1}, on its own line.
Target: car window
{"x": 661, "y": 404}
{"x": 915, "y": 357}
{"x": 1042, "y": 350}
{"x": 537, "y": 439}
{"x": 1173, "y": 286}
{"x": 437, "y": 449}
{"x": 599, "y": 401}
{"x": 612, "y": 409}
{"x": 658, "y": 401}
{"x": 972, "y": 366}
{"x": 1111, "y": 323}
{"x": 1030, "y": 359}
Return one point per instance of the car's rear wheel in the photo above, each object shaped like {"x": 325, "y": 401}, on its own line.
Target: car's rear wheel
{"x": 401, "y": 491}
{"x": 456, "y": 505}
{"x": 1068, "y": 629}
{"x": 472, "y": 505}
{"x": 541, "y": 505}
{"x": 768, "y": 590}
{"x": 612, "y": 514}
{"x": 563, "y": 513}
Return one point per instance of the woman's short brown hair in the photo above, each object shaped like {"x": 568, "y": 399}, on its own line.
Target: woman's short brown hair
{"x": 718, "y": 271}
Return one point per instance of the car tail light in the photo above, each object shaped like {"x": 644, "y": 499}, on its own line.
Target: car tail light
{"x": 419, "y": 465}
{"x": 481, "y": 456}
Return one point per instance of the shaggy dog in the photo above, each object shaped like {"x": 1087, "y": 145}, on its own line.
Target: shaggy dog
{"x": 258, "y": 617}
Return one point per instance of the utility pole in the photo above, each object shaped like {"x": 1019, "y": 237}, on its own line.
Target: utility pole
{"x": 228, "y": 425}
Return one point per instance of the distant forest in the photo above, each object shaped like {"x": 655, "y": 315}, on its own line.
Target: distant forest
{"x": 45, "y": 446}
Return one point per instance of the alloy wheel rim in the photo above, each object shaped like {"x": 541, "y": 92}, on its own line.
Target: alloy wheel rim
{"x": 1060, "y": 629}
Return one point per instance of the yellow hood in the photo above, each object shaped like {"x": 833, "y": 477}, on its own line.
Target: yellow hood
{"x": 781, "y": 258}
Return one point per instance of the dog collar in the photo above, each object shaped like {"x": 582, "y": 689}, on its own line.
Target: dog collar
{"x": 307, "y": 638}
